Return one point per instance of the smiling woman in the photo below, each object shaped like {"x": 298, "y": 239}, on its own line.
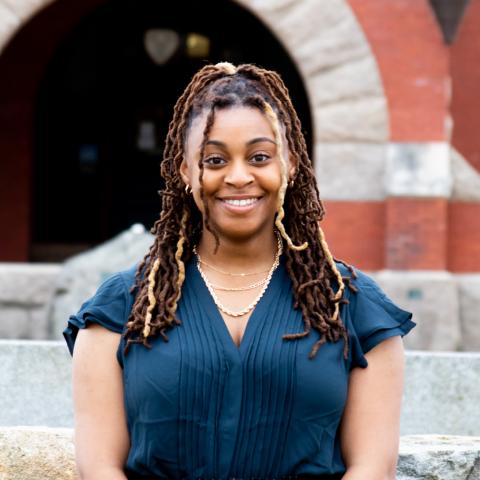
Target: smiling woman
{"x": 230, "y": 350}
{"x": 241, "y": 175}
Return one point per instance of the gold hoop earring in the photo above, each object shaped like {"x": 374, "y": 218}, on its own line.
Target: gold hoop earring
{"x": 291, "y": 183}
{"x": 188, "y": 189}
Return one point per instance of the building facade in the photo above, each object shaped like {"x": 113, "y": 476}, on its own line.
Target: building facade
{"x": 386, "y": 90}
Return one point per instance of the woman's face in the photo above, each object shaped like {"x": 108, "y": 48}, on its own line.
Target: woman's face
{"x": 242, "y": 171}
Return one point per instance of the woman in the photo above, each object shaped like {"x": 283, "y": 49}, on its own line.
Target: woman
{"x": 229, "y": 352}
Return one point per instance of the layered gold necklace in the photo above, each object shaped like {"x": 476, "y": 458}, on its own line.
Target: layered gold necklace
{"x": 265, "y": 282}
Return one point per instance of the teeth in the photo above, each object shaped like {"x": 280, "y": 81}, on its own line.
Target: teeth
{"x": 241, "y": 203}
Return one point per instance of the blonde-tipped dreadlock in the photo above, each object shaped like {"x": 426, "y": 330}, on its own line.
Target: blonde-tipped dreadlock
{"x": 341, "y": 285}
{"x": 181, "y": 266}
{"x": 151, "y": 297}
{"x": 227, "y": 67}
{"x": 309, "y": 263}
{"x": 284, "y": 172}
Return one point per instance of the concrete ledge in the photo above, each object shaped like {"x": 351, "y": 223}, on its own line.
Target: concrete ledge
{"x": 30, "y": 453}
{"x": 439, "y": 457}
{"x": 34, "y": 453}
{"x": 25, "y": 291}
{"x": 432, "y": 297}
{"x": 441, "y": 394}
{"x": 27, "y": 283}
{"x": 35, "y": 376}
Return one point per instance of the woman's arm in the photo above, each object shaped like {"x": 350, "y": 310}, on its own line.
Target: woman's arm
{"x": 101, "y": 434}
{"x": 370, "y": 428}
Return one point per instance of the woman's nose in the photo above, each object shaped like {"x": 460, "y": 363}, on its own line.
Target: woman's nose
{"x": 238, "y": 174}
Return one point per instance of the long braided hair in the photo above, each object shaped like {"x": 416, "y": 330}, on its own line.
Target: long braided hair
{"x": 309, "y": 263}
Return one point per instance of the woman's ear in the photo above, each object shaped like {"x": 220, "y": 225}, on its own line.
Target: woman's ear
{"x": 293, "y": 165}
{"x": 185, "y": 172}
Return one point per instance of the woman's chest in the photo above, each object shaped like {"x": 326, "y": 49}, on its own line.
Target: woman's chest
{"x": 201, "y": 364}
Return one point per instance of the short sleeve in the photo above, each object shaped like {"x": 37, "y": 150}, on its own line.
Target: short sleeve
{"x": 109, "y": 307}
{"x": 373, "y": 317}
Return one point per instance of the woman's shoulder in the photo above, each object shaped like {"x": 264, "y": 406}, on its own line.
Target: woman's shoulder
{"x": 363, "y": 283}
{"x": 109, "y": 306}
{"x": 114, "y": 289}
{"x": 371, "y": 315}
{"x": 124, "y": 277}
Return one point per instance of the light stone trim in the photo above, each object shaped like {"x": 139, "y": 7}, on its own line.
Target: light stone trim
{"x": 350, "y": 171}
{"x": 418, "y": 170}
{"x": 356, "y": 171}
{"x": 466, "y": 180}
{"x": 9, "y": 23}
{"x": 469, "y": 298}
{"x": 14, "y": 14}
{"x": 339, "y": 70}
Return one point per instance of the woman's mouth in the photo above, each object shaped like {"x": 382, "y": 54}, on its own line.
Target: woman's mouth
{"x": 240, "y": 205}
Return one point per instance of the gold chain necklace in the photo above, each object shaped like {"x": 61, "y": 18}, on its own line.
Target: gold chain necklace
{"x": 252, "y": 305}
{"x": 240, "y": 289}
{"x": 222, "y": 271}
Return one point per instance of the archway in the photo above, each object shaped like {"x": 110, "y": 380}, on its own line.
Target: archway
{"x": 101, "y": 103}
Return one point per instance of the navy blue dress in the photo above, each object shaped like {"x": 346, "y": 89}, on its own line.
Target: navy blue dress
{"x": 199, "y": 407}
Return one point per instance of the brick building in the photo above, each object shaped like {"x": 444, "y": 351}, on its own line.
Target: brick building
{"x": 386, "y": 91}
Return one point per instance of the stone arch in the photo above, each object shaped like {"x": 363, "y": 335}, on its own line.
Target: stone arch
{"x": 340, "y": 75}
{"x": 331, "y": 53}
{"x": 41, "y": 102}
{"x": 347, "y": 100}
{"x": 328, "y": 45}
{"x": 15, "y": 14}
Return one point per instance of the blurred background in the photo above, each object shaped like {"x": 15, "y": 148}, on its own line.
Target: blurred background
{"x": 387, "y": 92}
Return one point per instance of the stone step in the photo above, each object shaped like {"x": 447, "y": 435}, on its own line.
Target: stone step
{"x": 441, "y": 394}
{"x": 32, "y": 453}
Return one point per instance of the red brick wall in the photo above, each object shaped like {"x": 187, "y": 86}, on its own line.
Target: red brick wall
{"x": 405, "y": 234}
{"x": 416, "y": 233}
{"x": 465, "y": 71}
{"x": 355, "y": 232}
{"x": 15, "y": 180}
{"x": 464, "y": 237}
{"x": 413, "y": 63}
{"x": 416, "y": 69}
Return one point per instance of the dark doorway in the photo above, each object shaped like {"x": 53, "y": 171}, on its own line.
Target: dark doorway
{"x": 104, "y": 105}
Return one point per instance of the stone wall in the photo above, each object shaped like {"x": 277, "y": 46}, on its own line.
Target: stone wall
{"x": 445, "y": 305}
{"x": 34, "y": 453}
{"x": 441, "y": 394}
{"x": 439, "y": 457}
{"x": 25, "y": 292}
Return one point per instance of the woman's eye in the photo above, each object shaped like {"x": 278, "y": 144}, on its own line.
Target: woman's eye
{"x": 214, "y": 161}
{"x": 260, "y": 158}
